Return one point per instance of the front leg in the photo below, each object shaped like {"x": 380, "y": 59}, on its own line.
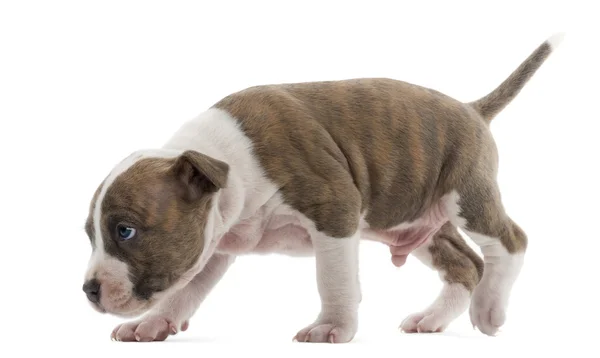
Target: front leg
{"x": 173, "y": 313}
{"x": 339, "y": 290}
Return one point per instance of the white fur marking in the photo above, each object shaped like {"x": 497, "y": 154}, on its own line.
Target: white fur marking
{"x": 555, "y": 40}
{"x": 453, "y": 210}
{"x": 490, "y": 299}
{"x": 339, "y": 290}
{"x": 217, "y": 134}
{"x": 337, "y": 270}
{"x": 452, "y": 301}
{"x": 182, "y": 304}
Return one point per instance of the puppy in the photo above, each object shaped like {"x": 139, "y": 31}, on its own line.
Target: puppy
{"x": 311, "y": 169}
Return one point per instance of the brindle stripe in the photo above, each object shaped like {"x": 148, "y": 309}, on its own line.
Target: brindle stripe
{"x": 380, "y": 127}
{"x": 451, "y": 255}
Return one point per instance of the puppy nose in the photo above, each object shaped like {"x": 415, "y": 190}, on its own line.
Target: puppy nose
{"x": 92, "y": 290}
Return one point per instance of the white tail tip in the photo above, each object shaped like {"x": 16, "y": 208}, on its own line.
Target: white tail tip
{"x": 555, "y": 40}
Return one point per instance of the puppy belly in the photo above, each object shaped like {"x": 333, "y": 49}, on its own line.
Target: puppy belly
{"x": 284, "y": 234}
{"x": 291, "y": 240}
{"x": 407, "y": 237}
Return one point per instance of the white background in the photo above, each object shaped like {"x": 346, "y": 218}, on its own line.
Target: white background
{"x": 82, "y": 84}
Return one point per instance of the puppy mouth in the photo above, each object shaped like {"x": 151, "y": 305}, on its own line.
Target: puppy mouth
{"x": 98, "y": 307}
{"x": 126, "y": 309}
{"x": 132, "y": 312}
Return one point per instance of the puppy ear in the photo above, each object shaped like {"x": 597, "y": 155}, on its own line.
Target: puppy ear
{"x": 199, "y": 174}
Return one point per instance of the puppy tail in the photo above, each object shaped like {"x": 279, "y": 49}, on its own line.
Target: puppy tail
{"x": 492, "y": 104}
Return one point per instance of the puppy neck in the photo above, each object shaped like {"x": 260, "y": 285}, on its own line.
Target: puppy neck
{"x": 217, "y": 134}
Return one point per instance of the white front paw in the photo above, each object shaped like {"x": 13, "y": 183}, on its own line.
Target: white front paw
{"x": 147, "y": 329}
{"x": 327, "y": 332}
{"x": 330, "y": 328}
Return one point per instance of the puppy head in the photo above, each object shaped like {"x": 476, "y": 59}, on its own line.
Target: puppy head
{"x": 147, "y": 225}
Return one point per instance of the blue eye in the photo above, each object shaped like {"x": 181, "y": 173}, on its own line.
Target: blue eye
{"x": 125, "y": 233}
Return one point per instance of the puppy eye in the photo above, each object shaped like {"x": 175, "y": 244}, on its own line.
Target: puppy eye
{"x": 125, "y": 232}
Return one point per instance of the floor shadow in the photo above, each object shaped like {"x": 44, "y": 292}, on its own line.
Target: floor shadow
{"x": 192, "y": 339}
{"x": 455, "y": 335}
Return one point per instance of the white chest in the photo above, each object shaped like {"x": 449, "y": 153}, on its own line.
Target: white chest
{"x": 269, "y": 231}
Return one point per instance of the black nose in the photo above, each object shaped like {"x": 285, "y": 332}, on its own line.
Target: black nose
{"x": 92, "y": 290}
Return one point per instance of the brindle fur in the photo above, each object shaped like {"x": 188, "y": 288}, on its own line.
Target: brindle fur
{"x": 452, "y": 256}
{"x": 492, "y": 104}
{"x": 382, "y": 147}
{"x": 341, "y": 148}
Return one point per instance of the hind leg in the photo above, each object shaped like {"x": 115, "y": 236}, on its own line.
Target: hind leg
{"x": 480, "y": 214}
{"x": 459, "y": 268}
